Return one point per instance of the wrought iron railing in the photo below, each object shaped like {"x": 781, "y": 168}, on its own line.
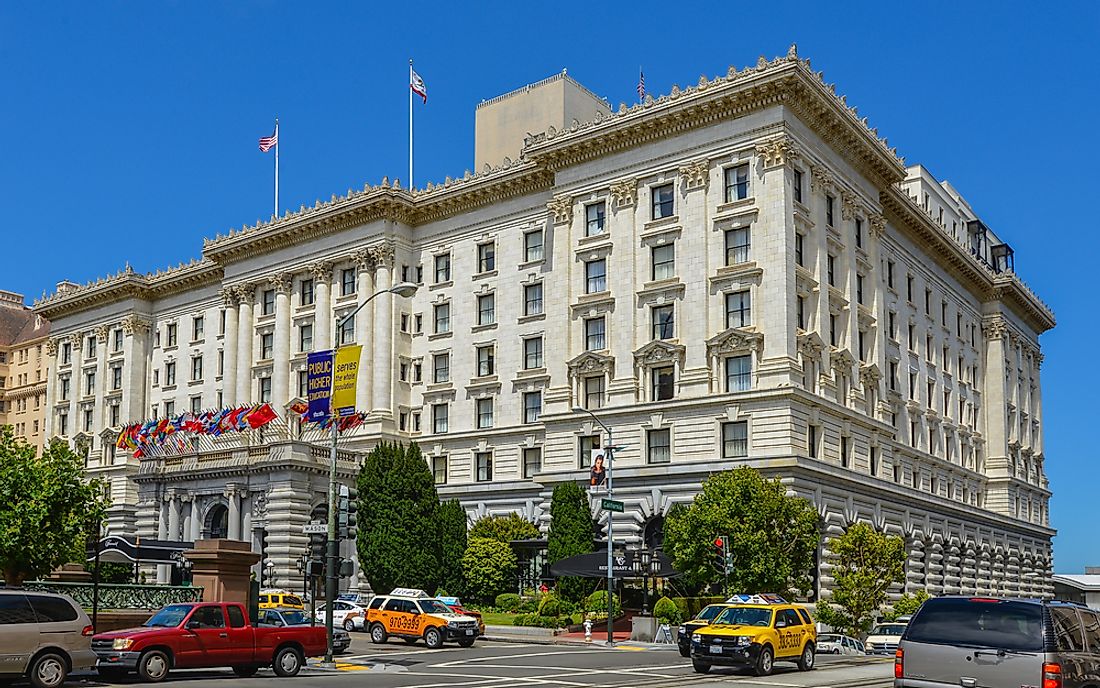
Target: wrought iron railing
{"x": 116, "y": 596}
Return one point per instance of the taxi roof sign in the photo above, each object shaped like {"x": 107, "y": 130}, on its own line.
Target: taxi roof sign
{"x": 408, "y": 592}
{"x": 761, "y": 598}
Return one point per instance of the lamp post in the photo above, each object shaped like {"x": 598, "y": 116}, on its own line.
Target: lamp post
{"x": 333, "y": 554}
{"x": 610, "y": 522}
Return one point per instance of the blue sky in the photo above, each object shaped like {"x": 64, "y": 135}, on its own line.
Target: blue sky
{"x": 128, "y": 130}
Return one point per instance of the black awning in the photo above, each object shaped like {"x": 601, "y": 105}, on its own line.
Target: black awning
{"x": 594, "y": 565}
{"x": 119, "y": 549}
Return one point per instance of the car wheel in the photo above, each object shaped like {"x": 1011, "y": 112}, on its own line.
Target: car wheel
{"x": 700, "y": 667}
{"x": 836, "y": 651}
{"x": 433, "y": 638}
{"x": 685, "y": 652}
{"x": 288, "y": 662}
{"x": 764, "y": 662}
{"x": 378, "y": 634}
{"x": 349, "y": 625}
{"x": 153, "y": 666}
{"x": 245, "y": 671}
{"x": 467, "y": 642}
{"x": 806, "y": 661}
{"x": 48, "y": 671}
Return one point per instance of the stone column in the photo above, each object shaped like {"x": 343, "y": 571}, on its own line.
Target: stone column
{"x": 163, "y": 570}
{"x": 322, "y": 320}
{"x": 135, "y": 348}
{"x": 188, "y": 517}
{"x": 381, "y": 347}
{"x": 364, "y": 321}
{"x": 100, "y": 421}
{"x": 280, "y": 375}
{"x": 233, "y": 495}
{"x": 76, "y": 382}
{"x": 173, "y": 515}
{"x": 247, "y": 294}
{"x": 196, "y": 520}
{"x": 51, "y": 389}
{"x": 229, "y": 347}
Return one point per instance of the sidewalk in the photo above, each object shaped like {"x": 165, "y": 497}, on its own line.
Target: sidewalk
{"x": 545, "y": 636}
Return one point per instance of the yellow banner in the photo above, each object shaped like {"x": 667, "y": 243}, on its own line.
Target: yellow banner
{"x": 344, "y": 377}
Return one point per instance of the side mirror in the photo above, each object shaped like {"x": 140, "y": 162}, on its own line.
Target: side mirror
{"x": 192, "y": 625}
{"x": 780, "y": 624}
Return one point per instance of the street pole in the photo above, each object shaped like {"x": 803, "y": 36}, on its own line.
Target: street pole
{"x": 608, "y": 451}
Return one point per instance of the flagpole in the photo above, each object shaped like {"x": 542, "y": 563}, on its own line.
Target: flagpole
{"x": 276, "y": 167}
{"x": 411, "y": 186}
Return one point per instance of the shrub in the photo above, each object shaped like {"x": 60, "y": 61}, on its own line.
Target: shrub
{"x": 595, "y": 605}
{"x": 529, "y": 605}
{"x": 504, "y": 528}
{"x": 666, "y": 611}
{"x": 508, "y": 602}
{"x": 487, "y": 567}
{"x": 549, "y": 605}
{"x": 536, "y": 621}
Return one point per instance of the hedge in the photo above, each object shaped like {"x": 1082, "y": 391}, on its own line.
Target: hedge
{"x": 690, "y": 606}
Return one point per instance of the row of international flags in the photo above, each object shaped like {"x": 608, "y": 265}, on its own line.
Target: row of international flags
{"x": 147, "y": 438}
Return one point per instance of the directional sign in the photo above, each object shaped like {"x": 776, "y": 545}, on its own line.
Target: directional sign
{"x": 315, "y": 529}
{"x": 612, "y": 505}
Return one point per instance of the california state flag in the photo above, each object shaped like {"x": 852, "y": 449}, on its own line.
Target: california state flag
{"x": 417, "y": 84}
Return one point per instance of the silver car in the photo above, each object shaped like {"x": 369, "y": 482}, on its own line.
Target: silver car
{"x": 43, "y": 636}
{"x": 837, "y": 644}
{"x": 977, "y": 642}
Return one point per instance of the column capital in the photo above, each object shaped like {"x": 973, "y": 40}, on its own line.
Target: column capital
{"x": 321, "y": 270}
{"x": 283, "y": 282}
{"x": 52, "y": 345}
{"x": 383, "y": 254}
{"x": 133, "y": 324}
{"x": 695, "y": 174}
{"x": 777, "y": 151}
{"x": 101, "y": 332}
{"x": 995, "y": 328}
{"x": 365, "y": 260}
{"x": 77, "y": 338}
{"x": 878, "y": 225}
{"x": 229, "y": 296}
{"x": 562, "y": 208}
{"x": 624, "y": 192}
{"x": 246, "y": 292}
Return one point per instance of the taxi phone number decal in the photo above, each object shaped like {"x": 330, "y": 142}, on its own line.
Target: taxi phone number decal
{"x": 403, "y": 624}
{"x": 789, "y": 640}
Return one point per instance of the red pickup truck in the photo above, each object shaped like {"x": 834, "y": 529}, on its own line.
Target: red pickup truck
{"x": 203, "y": 635}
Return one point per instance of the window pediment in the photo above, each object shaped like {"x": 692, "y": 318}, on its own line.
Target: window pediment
{"x": 739, "y": 276}
{"x": 734, "y": 340}
{"x": 592, "y": 305}
{"x": 661, "y": 292}
{"x": 811, "y": 343}
{"x": 591, "y": 363}
{"x": 659, "y": 351}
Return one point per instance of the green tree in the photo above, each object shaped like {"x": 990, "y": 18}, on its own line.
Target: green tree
{"x": 452, "y": 546}
{"x": 867, "y": 564}
{"x": 570, "y": 534}
{"x": 488, "y": 568}
{"x": 47, "y": 508}
{"x": 111, "y": 571}
{"x": 908, "y": 603}
{"x": 504, "y": 528}
{"x": 772, "y": 536}
{"x": 398, "y": 542}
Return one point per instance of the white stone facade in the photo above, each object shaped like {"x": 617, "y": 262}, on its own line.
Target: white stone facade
{"x": 827, "y": 326}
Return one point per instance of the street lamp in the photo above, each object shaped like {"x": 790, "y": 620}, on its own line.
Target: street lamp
{"x": 333, "y": 555}
{"x": 610, "y": 522}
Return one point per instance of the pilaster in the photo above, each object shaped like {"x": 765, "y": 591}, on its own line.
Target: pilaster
{"x": 246, "y": 293}
{"x": 382, "y": 347}
{"x": 230, "y": 301}
{"x": 280, "y": 376}
{"x": 365, "y": 262}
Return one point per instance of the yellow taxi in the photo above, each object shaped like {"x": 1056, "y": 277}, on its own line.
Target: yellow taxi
{"x": 413, "y": 614}
{"x": 279, "y": 599}
{"x": 756, "y": 631}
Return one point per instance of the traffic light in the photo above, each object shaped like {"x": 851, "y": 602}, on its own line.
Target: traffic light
{"x": 718, "y": 556}
{"x": 347, "y": 567}
{"x": 345, "y": 516}
{"x": 317, "y": 547}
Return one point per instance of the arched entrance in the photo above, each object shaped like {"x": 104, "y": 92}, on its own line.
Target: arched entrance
{"x": 217, "y": 522}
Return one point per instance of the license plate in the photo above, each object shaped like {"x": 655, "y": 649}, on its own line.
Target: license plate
{"x": 716, "y": 649}
{"x": 469, "y": 631}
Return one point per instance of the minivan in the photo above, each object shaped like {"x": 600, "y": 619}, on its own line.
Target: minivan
{"x": 988, "y": 642}
{"x": 43, "y": 637}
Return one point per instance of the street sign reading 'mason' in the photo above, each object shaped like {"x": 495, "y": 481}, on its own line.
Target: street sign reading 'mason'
{"x": 612, "y": 505}
{"x": 315, "y": 529}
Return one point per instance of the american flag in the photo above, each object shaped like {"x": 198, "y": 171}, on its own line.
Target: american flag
{"x": 269, "y": 142}
{"x": 641, "y": 85}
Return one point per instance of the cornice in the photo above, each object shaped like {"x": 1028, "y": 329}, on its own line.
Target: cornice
{"x": 785, "y": 81}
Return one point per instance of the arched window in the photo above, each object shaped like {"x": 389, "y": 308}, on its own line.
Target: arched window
{"x": 217, "y": 522}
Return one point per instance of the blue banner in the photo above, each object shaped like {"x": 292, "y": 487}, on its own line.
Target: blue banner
{"x": 319, "y": 385}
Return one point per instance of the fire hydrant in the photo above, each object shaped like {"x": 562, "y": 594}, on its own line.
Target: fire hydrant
{"x": 588, "y": 630}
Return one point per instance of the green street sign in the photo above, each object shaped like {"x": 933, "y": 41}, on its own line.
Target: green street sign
{"x": 612, "y": 505}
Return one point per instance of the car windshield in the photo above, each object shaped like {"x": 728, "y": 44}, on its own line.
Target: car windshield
{"x": 745, "y": 616}
{"x": 170, "y": 616}
{"x": 295, "y": 617}
{"x": 888, "y": 629}
{"x": 828, "y": 638}
{"x": 709, "y": 612}
{"x": 292, "y": 600}
{"x": 434, "y": 607}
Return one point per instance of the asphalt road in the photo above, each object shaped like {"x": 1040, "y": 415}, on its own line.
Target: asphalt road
{"x": 503, "y": 665}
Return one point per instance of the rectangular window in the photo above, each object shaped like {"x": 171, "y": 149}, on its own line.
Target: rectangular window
{"x": 116, "y": 340}
{"x": 305, "y": 292}
{"x": 737, "y": 246}
{"x": 484, "y": 409}
{"x": 198, "y": 328}
{"x": 739, "y": 309}
{"x": 347, "y": 281}
{"x": 303, "y": 384}
{"x": 801, "y": 313}
{"x": 663, "y": 383}
{"x": 439, "y": 470}
{"x": 486, "y": 309}
{"x": 859, "y": 232}
{"x": 594, "y": 330}
{"x": 738, "y": 373}
{"x": 91, "y": 348}
{"x": 799, "y": 256}
{"x": 89, "y": 417}
{"x": 196, "y": 405}
{"x": 874, "y": 461}
{"x": 305, "y": 337}
{"x": 532, "y": 462}
{"x": 798, "y": 185}
{"x": 594, "y": 392}
{"x": 441, "y": 368}
{"x": 532, "y": 246}
{"x": 532, "y": 407}
{"x": 221, "y": 363}
{"x": 862, "y": 342}
{"x": 830, "y": 264}
{"x": 486, "y": 257}
{"x": 64, "y": 394}
{"x": 844, "y": 451}
{"x": 532, "y": 353}
{"x": 659, "y": 446}
{"x": 811, "y": 441}
{"x": 115, "y": 415}
{"x": 735, "y": 440}
{"x": 116, "y": 377}
{"x": 833, "y": 330}
{"x": 486, "y": 360}
{"x": 830, "y": 204}
{"x": 347, "y": 331}
{"x": 441, "y": 316}
{"x": 595, "y": 276}
{"x": 484, "y": 462}
{"x": 443, "y": 268}
{"x": 268, "y": 301}
{"x": 267, "y": 346}
{"x": 66, "y": 353}
{"x": 662, "y": 201}
{"x": 890, "y": 274}
{"x": 663, "y": 321}
{"x": 859, "y": 289}
{"x": 265, "y": 389}
{"x": 737, "y": 183}
{"x": 532, "y": 299}
{"x": 928, "y": 302}
{"x": 909, "y": 288}
{"x": 585, "y": 446}
{"x": 594, "y": 218}
{"x": 664, "y": 262}
{"x": 169, "y": 374}
{"x": 171, "y": 336}
{"x": 196, "y": 368}
{"x": 440, "y": 418}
